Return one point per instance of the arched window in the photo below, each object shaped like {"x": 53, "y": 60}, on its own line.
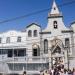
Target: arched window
{"x": 67, "y": 42}
{"x": 36, "y": 50}
{"x": 55, "y": 24}
{"x": 35, "y": 33}
{"x": 45, "y": 46}
{"x": 29, "y": 33}
{"x": 19, "y": 39}
{"x": 8, "y": 40}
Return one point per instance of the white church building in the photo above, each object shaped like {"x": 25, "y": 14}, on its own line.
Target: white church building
{"x": 35, "y": 48}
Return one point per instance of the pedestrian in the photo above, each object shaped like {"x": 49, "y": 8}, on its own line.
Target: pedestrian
{"x": 65, "y": 72}
{"x": 61, "y": 72}
{"x": 69, "y": 72}
{"x": 50, "y": 73}
{"x": 52, "y": 70}
{"x": 24, "y": 73}
{"x": 56, "y": 72}
{"x": 73, "y": 71}
{"x": 46, "y": 73}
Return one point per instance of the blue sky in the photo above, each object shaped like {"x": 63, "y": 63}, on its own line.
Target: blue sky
{"x": 14, "y": 8}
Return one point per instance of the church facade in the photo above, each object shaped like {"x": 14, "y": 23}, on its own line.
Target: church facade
{"x": 36, "y": 49}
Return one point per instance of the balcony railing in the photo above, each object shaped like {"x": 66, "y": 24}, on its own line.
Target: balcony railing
{"x": 37, "y": 59}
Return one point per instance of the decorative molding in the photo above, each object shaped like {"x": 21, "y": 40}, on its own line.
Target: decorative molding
{"x": 58, "y": 16}
{"x": 45, "y": 32}
{"x": 33, "y": 24}
{"x": 35, "y": 46}
{"x": 67, "y": 31}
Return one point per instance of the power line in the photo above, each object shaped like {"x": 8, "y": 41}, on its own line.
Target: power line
{"x": 20, "y": 17}
{"x": 68, "y": 3}
{"x": 34, "y": 13}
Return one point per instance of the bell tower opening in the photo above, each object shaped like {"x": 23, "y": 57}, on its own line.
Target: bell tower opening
{"x": 55, "y": 25}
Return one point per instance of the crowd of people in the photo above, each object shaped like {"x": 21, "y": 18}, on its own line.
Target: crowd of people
{"x": 58, "y": 70}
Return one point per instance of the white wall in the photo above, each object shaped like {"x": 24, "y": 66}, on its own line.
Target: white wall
{"x": 13, "y": 36}
{"x": 32, "y": 40}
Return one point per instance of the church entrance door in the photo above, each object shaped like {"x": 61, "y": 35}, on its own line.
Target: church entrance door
{"x": 35, "y": 52}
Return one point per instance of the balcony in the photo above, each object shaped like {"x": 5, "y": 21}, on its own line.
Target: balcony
{"x": 27, "y": 60}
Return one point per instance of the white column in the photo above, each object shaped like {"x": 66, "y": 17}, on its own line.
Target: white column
{"x": 65, "y": 60}
{"x": 49, "y": 53}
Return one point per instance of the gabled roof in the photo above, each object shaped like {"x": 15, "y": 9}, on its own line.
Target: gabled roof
{"x": 33, "y": 24}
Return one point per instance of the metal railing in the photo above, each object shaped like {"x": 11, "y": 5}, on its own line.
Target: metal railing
{"x": 37, "y": 59}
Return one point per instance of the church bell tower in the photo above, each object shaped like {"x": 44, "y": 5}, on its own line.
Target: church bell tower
{"x": 55, "y": 20}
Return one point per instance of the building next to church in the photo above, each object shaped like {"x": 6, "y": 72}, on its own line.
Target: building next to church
{"x": 35, "y": 48}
